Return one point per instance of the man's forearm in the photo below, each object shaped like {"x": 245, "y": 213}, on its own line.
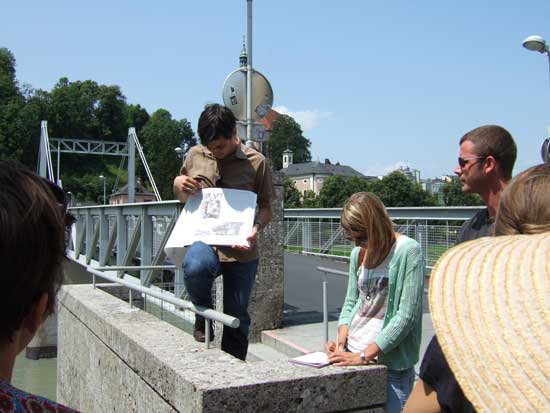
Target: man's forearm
{"x": 180, "y": 195}
{"x": 264, "y": 216}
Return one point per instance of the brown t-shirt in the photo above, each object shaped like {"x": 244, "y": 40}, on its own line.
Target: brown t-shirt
{"x": 246, "y": 169}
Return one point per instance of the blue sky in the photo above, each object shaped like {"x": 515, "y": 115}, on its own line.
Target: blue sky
{"x": 374, "y": 85}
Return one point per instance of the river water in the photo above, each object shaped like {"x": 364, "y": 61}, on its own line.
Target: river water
{"x": 35, "y": 376}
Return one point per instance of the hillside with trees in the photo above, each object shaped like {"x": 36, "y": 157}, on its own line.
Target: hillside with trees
{"x": 86, "y": 110}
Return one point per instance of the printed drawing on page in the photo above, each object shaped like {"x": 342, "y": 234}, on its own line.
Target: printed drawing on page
{"x": 214, "y": 216}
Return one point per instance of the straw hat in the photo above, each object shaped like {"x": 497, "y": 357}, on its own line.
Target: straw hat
{"x": 490, "y": 305}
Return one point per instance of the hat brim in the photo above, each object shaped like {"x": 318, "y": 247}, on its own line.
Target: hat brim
{"x": 490, "y": 305}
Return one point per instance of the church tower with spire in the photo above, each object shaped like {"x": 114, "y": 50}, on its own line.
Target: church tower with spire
{"x": 243, "y": 58}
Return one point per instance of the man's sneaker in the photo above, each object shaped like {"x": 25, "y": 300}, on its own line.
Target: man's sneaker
{"x": 199, "y": 331}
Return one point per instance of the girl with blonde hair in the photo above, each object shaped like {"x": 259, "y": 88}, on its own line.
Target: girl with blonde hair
{"x": 381, "y": 319}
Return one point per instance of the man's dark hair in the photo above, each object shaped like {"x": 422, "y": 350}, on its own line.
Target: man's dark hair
{"x": 216, "y": 121}
{"x": 33, "y": 230}
{"x": 495, "y": 141}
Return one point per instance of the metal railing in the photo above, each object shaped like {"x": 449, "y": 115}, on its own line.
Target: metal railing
{"x": 326, "y": 271}
{"x": 131, "y": 237}
{"x": 207, "y": 313}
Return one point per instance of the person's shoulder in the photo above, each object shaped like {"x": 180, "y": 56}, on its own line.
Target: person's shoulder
{"x": 196, "y": 149}
{"x": 406, "y": 243}
{"x": 252, "y": 153}
{"x": 40, "y": 404}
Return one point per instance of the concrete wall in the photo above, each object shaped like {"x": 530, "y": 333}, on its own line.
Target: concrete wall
{"x": 115, "y": 358}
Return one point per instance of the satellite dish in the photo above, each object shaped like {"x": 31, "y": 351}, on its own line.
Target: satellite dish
{"x": 234, "y": 94}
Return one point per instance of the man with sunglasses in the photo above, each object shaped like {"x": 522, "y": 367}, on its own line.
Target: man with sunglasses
{"x": 486, "y": 159}
{"x": 485, "y": 163}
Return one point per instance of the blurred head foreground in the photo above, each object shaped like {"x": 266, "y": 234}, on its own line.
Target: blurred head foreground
{"x": 33, "y": 228}
{"x": 525, "y": 203}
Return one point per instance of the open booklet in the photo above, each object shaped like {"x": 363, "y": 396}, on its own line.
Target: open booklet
{"x": 214, "y": 216}
{"x": 318, "y": 359}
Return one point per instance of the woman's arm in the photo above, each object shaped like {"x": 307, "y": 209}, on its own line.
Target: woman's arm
{"x": 423, "y": 399}
{"x": 352, "y": 292}
{"x": 410, "y": 301}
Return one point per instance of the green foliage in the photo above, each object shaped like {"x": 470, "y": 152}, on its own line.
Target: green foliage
{"x": 136, "y": 116}
{"x": 86, "y": 110}
{"x": 159, "y": 137}
{"x": 292, "y": 195}
{"x": 15, "y": 133}
{"x": 337, "y": 189}
{"x": 8, "y": 83}
{"x": 287, "y": 133}
{"x": 310, "y": 200}
{"x": 396, "y": 190}
{"x": 453, "y": 195}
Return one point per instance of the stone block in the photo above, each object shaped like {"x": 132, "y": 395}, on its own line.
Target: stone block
{"x": 115, "y": 358}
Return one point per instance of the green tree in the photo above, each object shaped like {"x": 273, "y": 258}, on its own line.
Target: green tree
{"x": 159, "y": 137}
{"x": 336, "y": 189}
{"x": 396, "y": 190}
{"x": 14, "y": 130}
{"x": 453, "y": 195}
{"x": 310, "y": 200}
{"x": 287, "y": 133}
{"x": 136, "y": 116}
{"x": 292, "y": 195}
{"x": 8, "y": 82}
{"x": 86, "y": 110}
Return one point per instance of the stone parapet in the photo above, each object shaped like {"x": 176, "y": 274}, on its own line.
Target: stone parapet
{"x": 267, "y": 298}
{"x": 115, "y": 358}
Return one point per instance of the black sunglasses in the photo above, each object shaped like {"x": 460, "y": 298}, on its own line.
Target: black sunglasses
{"x": 61, "y": 198}
{"x": 462, "y": 162}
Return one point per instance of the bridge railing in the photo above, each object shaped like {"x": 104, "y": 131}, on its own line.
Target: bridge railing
{"x": 318, "y": 231}
{"x": 135, "y": 234}
{"x": 130, "y": 238}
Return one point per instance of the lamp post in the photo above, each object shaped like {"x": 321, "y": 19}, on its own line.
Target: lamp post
{"x": 538, "y": 44}
{"x": 104, "y": 189}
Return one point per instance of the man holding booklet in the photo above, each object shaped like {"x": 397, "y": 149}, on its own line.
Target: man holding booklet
{"x": 222, "y": 161}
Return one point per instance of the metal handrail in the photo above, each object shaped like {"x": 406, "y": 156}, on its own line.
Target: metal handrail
{"x": 205, "y": 312}
{"x": 325, "y": 298}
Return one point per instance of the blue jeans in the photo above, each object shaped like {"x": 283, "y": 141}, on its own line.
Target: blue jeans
{"x": 400, "y": 385}
{"x": 200, "y": 267}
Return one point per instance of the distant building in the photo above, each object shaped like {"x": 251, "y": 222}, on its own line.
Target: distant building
{"x": 310, "y": 176}
{"x": 434, "y": 186}
{"x": 142, "y": 195}
{"x": 411, "y": 174}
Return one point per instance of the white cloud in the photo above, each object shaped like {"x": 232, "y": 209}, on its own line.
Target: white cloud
{"x": 308, "y": 119}
{"x": 383, "y": 170}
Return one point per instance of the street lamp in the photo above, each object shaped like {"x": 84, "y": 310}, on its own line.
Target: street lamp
{"x": 537, "y": 44}
{"x": 179, "y": 151}
{"x": 104, "y": 189}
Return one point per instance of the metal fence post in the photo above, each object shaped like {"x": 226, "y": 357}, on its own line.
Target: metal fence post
{"x": 146, "y": 249}
{"x": 325, "y": 307}
{"x": 207, "y": 333}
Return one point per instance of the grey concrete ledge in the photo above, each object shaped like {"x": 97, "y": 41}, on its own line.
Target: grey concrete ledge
{"x": 105, "y": 344}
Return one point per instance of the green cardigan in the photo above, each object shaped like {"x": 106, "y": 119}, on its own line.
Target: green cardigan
{"x": 400, "y": 337}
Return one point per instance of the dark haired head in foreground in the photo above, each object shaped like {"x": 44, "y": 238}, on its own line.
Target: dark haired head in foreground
{"x": 34, "y": 224}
